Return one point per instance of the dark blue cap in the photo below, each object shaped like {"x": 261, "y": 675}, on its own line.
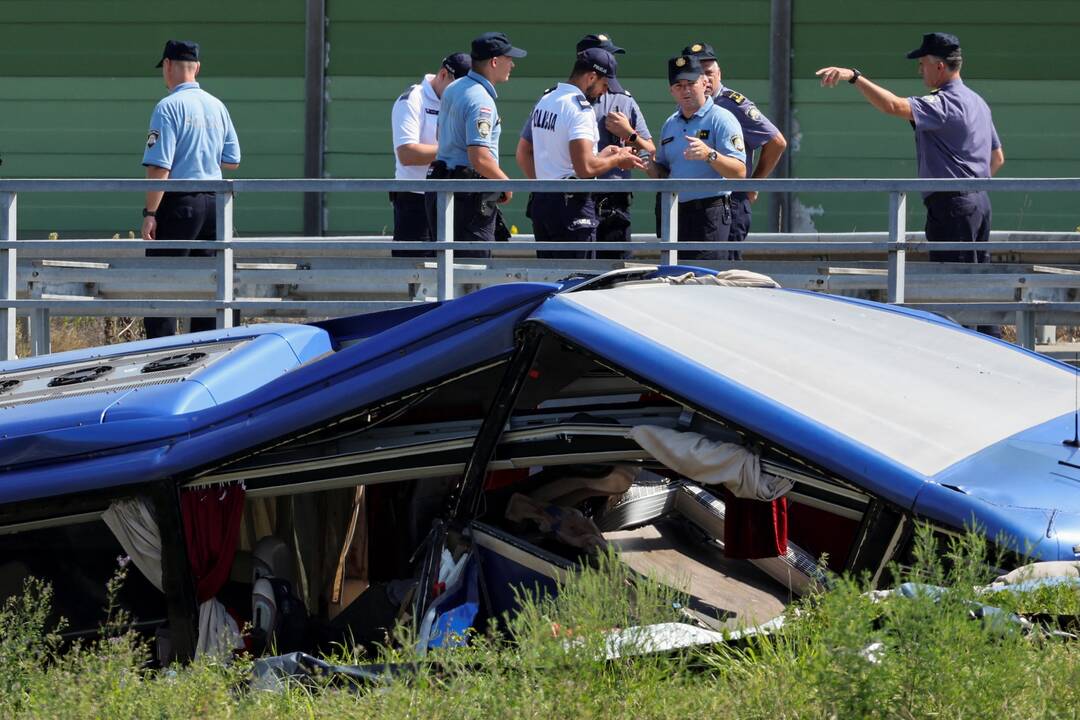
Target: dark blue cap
{"x": 599, "y": 40}
{"x": 603, "y": 63}
{"x": 937, "y": 44}
{"x": 179, "y": 50}
{"x": 683, "y": 67}
{"x": 700, "y": 50}
{"x": 458, "y": 64}
{"x": 493, "y": 45}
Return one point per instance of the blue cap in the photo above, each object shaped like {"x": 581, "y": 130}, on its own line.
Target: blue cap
{"x": 179, "y": 50}
{"x": 493, "y": 45}
{"x": 683, "y": 67}
{"x": 458, "y": 64}
{"x": 603, "y": 63}
{"x": 599, "y": 40}
{"x": 937, "y": 44}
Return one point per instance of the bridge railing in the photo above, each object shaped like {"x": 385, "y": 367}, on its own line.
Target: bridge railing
{"x": 1026, "y": 309}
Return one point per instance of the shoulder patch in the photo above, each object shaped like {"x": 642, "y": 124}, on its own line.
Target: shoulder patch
{"x": 737, "y": 141}
{"x": 483, "y": 127}
{"x": 152, "y": 138}
{"x": 735, "y": 97}
{"x": 483, "y": 111}
{"x": 666, "y": 140}
{"x": 753, "y": 113}
{"x": 931, "y": 98}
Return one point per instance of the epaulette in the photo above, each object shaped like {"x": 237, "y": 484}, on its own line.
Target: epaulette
{"x": 583, "y": 102}
{"x": 408, "y": 91}
{"x": 549, "y": 90}
{"x": 737, "y": 98}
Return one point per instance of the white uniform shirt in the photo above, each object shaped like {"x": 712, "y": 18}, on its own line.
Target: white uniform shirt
{"x": 560, "y": 116}
{"x": 413, "y": 120}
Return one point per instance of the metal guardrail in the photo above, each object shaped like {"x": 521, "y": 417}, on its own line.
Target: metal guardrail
{"x": 894, "y": 244}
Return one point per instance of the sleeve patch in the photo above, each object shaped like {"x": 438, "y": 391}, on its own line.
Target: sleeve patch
{"x": 737, "y": 142}
{"x": 753, "y": 113}
{"x": 483, "y": 126}
{"x": 152, "y": 137}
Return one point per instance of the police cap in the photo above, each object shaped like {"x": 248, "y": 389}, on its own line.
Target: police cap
{"x": 602, "y": 63}
{"x": 683, "y": 67}
{"x": 493, "y": 45}
{"x": 457, "y": 64}
{"x": 179, "y": 50}
{"x": 937, "y": 44}
{"x": 600, "y": 40}
{"x": 700, "y": 50}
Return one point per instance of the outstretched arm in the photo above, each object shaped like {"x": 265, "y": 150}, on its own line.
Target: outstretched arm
{"x": 877, "y": 96}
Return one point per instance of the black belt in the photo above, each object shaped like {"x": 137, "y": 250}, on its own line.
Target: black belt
{"x": 708, "y": 202}
{"x": 952, "y": 194}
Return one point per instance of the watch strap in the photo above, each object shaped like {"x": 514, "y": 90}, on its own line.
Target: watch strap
{"x": 855, "y": 75}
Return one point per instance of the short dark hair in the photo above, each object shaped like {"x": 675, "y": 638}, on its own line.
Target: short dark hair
{"x": 582, "y": 67}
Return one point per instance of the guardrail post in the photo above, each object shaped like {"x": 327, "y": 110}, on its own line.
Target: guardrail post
{"x": 225, "y": 266}
{"x": 669, "y": 227}
{"x": 40, "y": 332}
{"x": 444, "y": 233}
{"x": 897, "y": 257}
{"x": 1025, "y": 323}
{"x": 8, "y": 276}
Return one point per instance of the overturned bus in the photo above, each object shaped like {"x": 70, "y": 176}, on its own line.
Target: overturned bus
{"x": 318, "y": 483}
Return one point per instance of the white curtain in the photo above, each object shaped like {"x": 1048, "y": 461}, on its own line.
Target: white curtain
{"x": 711, "y": 463}
{"x": 132, "y": 522}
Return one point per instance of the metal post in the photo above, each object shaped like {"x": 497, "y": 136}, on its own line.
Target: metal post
{"x": 897, "y": 234}
{"x": 314, "y": 111}
{"x": 8, "y": 275}
{"x": 780, "y": 106}
{"x": 1025, "y": 323}
{"x": 669, "y": 227}
{"x": 40, "y": 332}
{"x": 225, "y": 259}
{"x": 444, "y": 232}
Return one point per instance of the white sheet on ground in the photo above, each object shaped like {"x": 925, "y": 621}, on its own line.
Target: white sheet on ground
{"x": 710, "y": 462}
{"x": 218, "y": 632}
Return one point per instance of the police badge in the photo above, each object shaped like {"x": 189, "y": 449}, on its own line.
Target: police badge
{"x": 152, "y": 138}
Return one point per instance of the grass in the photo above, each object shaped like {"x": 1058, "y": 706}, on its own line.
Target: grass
{"x": 842, "y": 654}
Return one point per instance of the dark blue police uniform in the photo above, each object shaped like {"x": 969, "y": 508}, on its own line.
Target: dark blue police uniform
{"x": 757, "y": 130}
{"x": 190, "y": 135}
{"x": 954, "y": 138}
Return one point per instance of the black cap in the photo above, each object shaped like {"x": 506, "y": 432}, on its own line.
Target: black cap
{"x": 700, "y": 50}
{"x": 458, "y": 64}
{"x": 600, "y": 40}
{"x": 493, "y": 45}
{"x": 602, "y": 62}
{"x": 179, "y": 50}
{"x": 937, "y": 44}
{"x": 683, "y": 67}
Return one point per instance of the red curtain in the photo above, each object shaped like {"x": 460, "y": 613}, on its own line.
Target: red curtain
{"x": 212, "y": 530}
{"x": 754, "y": 528}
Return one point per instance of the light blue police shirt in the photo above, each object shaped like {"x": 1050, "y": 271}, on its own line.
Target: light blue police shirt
{"x": 717, "y": 128}
{"x": 191, "y": 134}
{"x": 468, "y": 117}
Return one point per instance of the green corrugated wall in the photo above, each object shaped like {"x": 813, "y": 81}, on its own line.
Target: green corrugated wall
{"x": 77, "y": 85}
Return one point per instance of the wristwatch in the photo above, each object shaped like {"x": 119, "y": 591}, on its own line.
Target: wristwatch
{"x": 711, "y": 157}
{"x": 855, "y": 75}
{"x": 630, "y": 140}
{"x": 149, "y": 213}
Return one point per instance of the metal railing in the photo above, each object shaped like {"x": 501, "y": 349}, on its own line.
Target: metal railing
{"x": 894, "y": 244}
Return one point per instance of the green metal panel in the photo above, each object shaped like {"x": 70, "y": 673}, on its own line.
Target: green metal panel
{"x": 79, "y": 84}
{"x": 369, "y": 68}
{"x": 1021, "y": 57}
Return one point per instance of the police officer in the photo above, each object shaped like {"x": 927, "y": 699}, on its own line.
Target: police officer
{"x": 469, "y": 129}
{"x": 191, "y": 138}
{"x": 621, "y": 123}
{"x": 413, "y": 121}
{"x": 758, "y": 132}
{"x": 564, "y": 145}
{"x": 954, "y": 137}
{"x": 699, "y": 140}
